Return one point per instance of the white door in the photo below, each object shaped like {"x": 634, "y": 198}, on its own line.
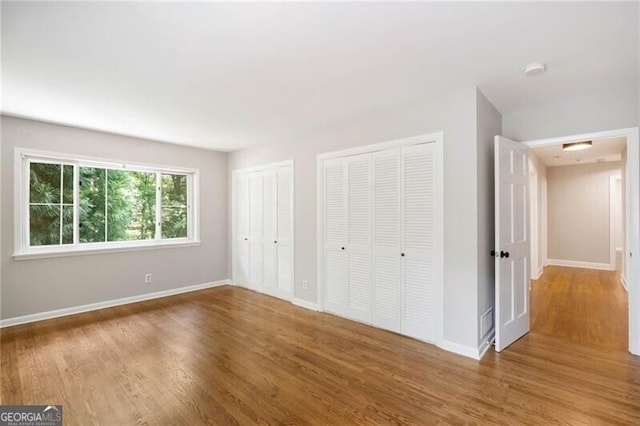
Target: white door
{"x": 255, "y": 231}
{"x": 358, "y": 168}
{"x": 386, "y": 240}
{"x": 419, "y": 241}
{"x": 269, "y": 219}
{"x": 511, "y": 243}
{"x": 284, "y": 236}
{"x": 241, "y": 222}
{"x": 335, "y": 233}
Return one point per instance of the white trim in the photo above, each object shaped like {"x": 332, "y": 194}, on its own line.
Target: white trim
{"x": 106, "y": 247}
{"x": 624, "y": 283}
{"x": 438, "y": 139}
{"x": 305, "y": 304}
{"x": 632, "y": 194}
{"x": 413, "y": 140}
{"x": 486, "y": 344}
{"x": 539, "y": 272}
{"x": 108, "y": 304}
{"x": 580, "y": 264}
{"x": 457, "y": 348}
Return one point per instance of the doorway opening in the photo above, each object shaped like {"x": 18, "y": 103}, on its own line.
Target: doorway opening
{"x": 583, "y": 221}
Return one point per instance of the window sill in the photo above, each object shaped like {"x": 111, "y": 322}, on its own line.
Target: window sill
{"x": 103, "y": 248}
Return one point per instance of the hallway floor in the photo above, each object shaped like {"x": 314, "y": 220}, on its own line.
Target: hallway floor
{"x": 581, "y": 305}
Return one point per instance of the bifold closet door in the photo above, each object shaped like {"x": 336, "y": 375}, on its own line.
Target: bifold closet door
{"x": 241, "y": 255}
{"x": 283, "y": 240}
{"x": 255, "y": 231}
{"x": 419, "y": 240}
{"x": 387, "y": 265}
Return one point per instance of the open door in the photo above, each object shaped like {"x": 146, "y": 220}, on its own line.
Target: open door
{"x": 512, "y": 241}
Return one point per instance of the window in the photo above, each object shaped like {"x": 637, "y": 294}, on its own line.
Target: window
{"x": 69, "y": 205}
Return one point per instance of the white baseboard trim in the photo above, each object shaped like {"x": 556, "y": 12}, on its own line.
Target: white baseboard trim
{"x": 40, "y": 316}
{"x": 539, "y": 273}
{"x": 579, "y": 264}
{"x": 623, "y": 281}
{"x": 486, "y": 344}
{"x": 304, "y": 304}
{"x": 459, "y": 349}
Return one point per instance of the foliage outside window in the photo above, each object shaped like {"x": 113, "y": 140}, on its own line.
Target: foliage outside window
{"x": 75, "y": 204}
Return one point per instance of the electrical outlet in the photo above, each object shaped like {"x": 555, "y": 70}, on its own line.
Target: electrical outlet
{"x": 147, "y": 278}
{"x": 305, "y": 284}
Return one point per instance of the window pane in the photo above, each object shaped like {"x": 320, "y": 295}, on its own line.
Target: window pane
{"x": 174, "y": 206}
{"x": 92, "y": 204}
{"x": 67, "y": 224}
{"x": 143, "y": 203}
{"x": 67, "y": 184}
{"x": 44, "y": 183}
{"x": 131, "y": 199}
{"x": 44, "y": 224}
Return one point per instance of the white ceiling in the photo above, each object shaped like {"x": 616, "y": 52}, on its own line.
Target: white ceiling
{"x": 225, "y": 76}
{"x": 607, "y": 149}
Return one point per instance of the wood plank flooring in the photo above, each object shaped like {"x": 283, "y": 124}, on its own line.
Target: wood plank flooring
{"x": 582, "y": 305}
{"x": 230, "y": 356}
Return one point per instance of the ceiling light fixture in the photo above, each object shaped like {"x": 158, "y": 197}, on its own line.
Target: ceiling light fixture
{"x": 535, "y": 68}
{"x": 576, "y": 146}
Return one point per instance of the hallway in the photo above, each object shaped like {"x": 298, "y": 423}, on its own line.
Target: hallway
{"x": 581, "y": 305}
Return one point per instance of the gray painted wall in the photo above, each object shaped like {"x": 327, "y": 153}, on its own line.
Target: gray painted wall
{"x": 456, "y": 116}
{"x": 615, "y": 108}
{"x": 489, "y": 124}
{"x": 31, "y": 286}
{"x": 578, "y": 211}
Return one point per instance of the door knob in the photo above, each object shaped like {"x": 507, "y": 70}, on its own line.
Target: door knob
{"x": 504, "y": 253}
{"x": 402, "y": 254}
{"x": 246, "y": 239}
{"x": 493, "y": 253}
{"x": 342, "y": 248}
{"x": 275, "y": 242}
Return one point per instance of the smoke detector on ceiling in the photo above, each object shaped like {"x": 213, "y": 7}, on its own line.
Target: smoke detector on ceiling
{"x": 535, "y": 68}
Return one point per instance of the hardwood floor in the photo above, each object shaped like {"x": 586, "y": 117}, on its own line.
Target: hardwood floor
{"x": 229, "y": 356}
{"x": 582, "y": 305}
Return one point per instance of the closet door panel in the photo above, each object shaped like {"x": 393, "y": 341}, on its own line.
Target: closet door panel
{"x": 359, "y": 236}
{"x": 387, "y": 273}
{"x": 269, "y": 215}
{"x": 284, "y": 237}
{"x": 241, "y": 255}
{"x": 255, "y": 231}
{"x": 335, "y": 256}
{"x": 418, "y": 240}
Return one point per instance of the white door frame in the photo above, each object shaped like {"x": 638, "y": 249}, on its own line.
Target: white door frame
{"x": 612, "y": 218}
{"x": 632, "y": 223}
{"x": 534, "y": 222}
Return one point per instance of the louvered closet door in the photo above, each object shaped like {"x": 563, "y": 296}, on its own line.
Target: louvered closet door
{"x": 241, "y": 219}
{"x": 284, "y": 237}
{"x": 255, "y": 231}
{"x": 418, "y": 241}
{"x": 386, "y": 240}
{"x": 335, "y": 258}
{"x": 359, "y": 288}
{"x": 270, "y": 275}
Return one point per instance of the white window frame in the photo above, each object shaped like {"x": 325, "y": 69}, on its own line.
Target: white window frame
{"x": 22, "y": 250}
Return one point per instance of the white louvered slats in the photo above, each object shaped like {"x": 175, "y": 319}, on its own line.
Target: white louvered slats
{"x": 358, "y": 250}
{"x": 270, "y": 231}
{"x": 386, "y": 240}
{"x": 263, "y": 227}
{"x": 284, "y": 237}
{"x": 241, "y": 265}
{"x": 255, "y": 231}
{"x": 382, "y": 211}
{"x": 418, "y": 223}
